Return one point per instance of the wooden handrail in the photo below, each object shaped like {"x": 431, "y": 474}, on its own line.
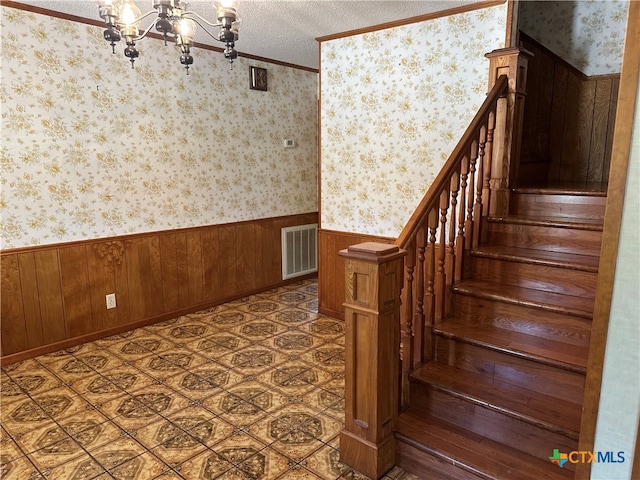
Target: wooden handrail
{"x": 441, "y": 232}
{"x": 432, "y": 197}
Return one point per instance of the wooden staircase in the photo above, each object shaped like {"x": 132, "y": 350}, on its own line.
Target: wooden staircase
{"x": 505, "y": 384}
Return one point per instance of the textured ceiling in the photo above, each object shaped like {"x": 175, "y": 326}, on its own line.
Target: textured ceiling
{"x": 285, "y": 30}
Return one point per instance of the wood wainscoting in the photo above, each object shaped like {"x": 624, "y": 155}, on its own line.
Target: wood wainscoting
{"x": 53, "y": 296}
{"x": 331, "y": 293}
{"x": 568, "y": 121}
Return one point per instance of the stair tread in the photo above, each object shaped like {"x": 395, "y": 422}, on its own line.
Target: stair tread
{"x": 518, "y": 402}
{"x": 543, "y": 350}
{"x": 551, "y": 221}
{"x": 595, "y": 189}
{"x": 572, "y": 305}
{"x": 544, "y": 257}
{"x": 468, "y": 450}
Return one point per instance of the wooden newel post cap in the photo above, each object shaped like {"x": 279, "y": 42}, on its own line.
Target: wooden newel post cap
{"x": 373, "y": 252}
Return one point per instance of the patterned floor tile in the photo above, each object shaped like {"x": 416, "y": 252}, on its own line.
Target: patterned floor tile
{"x": 129, "y": 413}
{"x": 325, "y": 462}
{"x": 218, "y": 344}
{"x": 296, "y": 432}
{"x": 250, "y": 389}
{"x": 32, "y": 383}
{"x": 81, "y": 468}
{"x": 25, "y": 367}
{"x": 204, "y": 381}
{"x": 20, "y": 469}
{"x": 112, "y": 384}
{"x": 142, "y": 467}
{"x": 253, "y": 360}
{"x": 21, "y": 417}
{"x": 9, "y": 450}
{"x": 11, "y": 392}
{"x": 233, "y": 409}
{"x": 56, "y": 454}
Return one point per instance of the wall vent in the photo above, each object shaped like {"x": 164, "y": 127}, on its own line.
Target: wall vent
{"x": 299, "y": 250}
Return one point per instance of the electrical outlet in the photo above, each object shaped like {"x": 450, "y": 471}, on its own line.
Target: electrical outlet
{"x": 111, "y": 301}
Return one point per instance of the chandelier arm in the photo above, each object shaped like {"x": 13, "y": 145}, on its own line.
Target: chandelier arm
{"x": 147, "y": 30}
{"x": 195, "y": 17}
{"x": 140, "y": 37}
{"x": 205, "y": 28}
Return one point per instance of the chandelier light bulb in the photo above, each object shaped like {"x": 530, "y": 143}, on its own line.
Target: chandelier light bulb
{"x": 130, "y": 14}
{"x": 186, "y": 28}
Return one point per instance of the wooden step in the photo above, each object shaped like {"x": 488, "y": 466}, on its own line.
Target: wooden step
{"x": 561, "y": 273}
{"x": 421, "y": 435}
{"x": 511, "y": 360}
{"x": 585, "y": 263}
{"x": 524, "y": 319}
{"x": 529, "y": 347}
{"x": 553, "y": 302}
{"x": 552, "y": 234}
{"x": 528, "y": 407}
{"x": 564, "y": 203}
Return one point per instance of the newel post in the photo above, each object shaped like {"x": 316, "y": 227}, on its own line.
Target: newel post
{"x": 512, "y": 62}
{"x": 373, "y": 281}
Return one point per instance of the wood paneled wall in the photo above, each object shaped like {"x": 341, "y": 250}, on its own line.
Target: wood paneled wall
{"x": 54, "y": 296}
{"x": 568, "y": 121}
{"x": 331, "y": 291}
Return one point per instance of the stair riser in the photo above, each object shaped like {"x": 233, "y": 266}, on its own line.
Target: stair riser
{"x": 554, "y": 239}
{"x": 523, "y": 319}
{"x": 540, "y": 277}
{"x": 425, "y": 465}
{"x": 558, "y": 205}
{"x": 546, "y": 379}
{"x": 521, "y": 435}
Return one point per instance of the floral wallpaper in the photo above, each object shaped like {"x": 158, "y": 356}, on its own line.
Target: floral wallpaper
{"x": 394, "y": 103}
{"x": 588, "y": 34}
{"x": 93, "y": 148}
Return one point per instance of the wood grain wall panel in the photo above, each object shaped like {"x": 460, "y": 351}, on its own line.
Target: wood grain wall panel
{"x": 272, "y": 250}
{"x": 76, "y": 293}
{"x": 29, "y": 287}
{"x": 245, "y": 253}
{"x": 556, "y": 129}
{"x": 331, "y": 286}
{"x": 568, "y": 121}
{"x": 121, "y": 277}
{"x": 211, "y": 264}
{"x": 169, "y": 267}
{"x": 101, "y": 283}
{"x": 56, "y": 294}
{"x": 585, "y": 109}
{"x": 571, "y": 152}
{"x": 50, "y": 295}
{"x": 139, "y": 271}
{"x": 528, "y": 148}
{"x": 155, "y": 276}
{"x": 194, "y": 267}
{"x": 12, "y": 327}
{"x": 601, "y": 107}
{"x": 228, "y": 263}
{"x": 259, "y": 267}
{"x": 545, "y": 100}
{"x": 182, "y": 263}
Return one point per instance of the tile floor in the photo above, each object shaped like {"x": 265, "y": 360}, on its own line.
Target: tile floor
{"x": 251, "y": 389}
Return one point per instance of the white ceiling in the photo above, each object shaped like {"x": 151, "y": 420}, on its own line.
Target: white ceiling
{"x": 285, "y": 30}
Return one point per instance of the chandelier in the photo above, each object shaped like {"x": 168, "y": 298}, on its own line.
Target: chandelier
{"x": 173, "y": 21}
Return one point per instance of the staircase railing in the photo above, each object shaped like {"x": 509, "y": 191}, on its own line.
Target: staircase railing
{"x": 441, "y": 233}
{"x": 473, "y": 184}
